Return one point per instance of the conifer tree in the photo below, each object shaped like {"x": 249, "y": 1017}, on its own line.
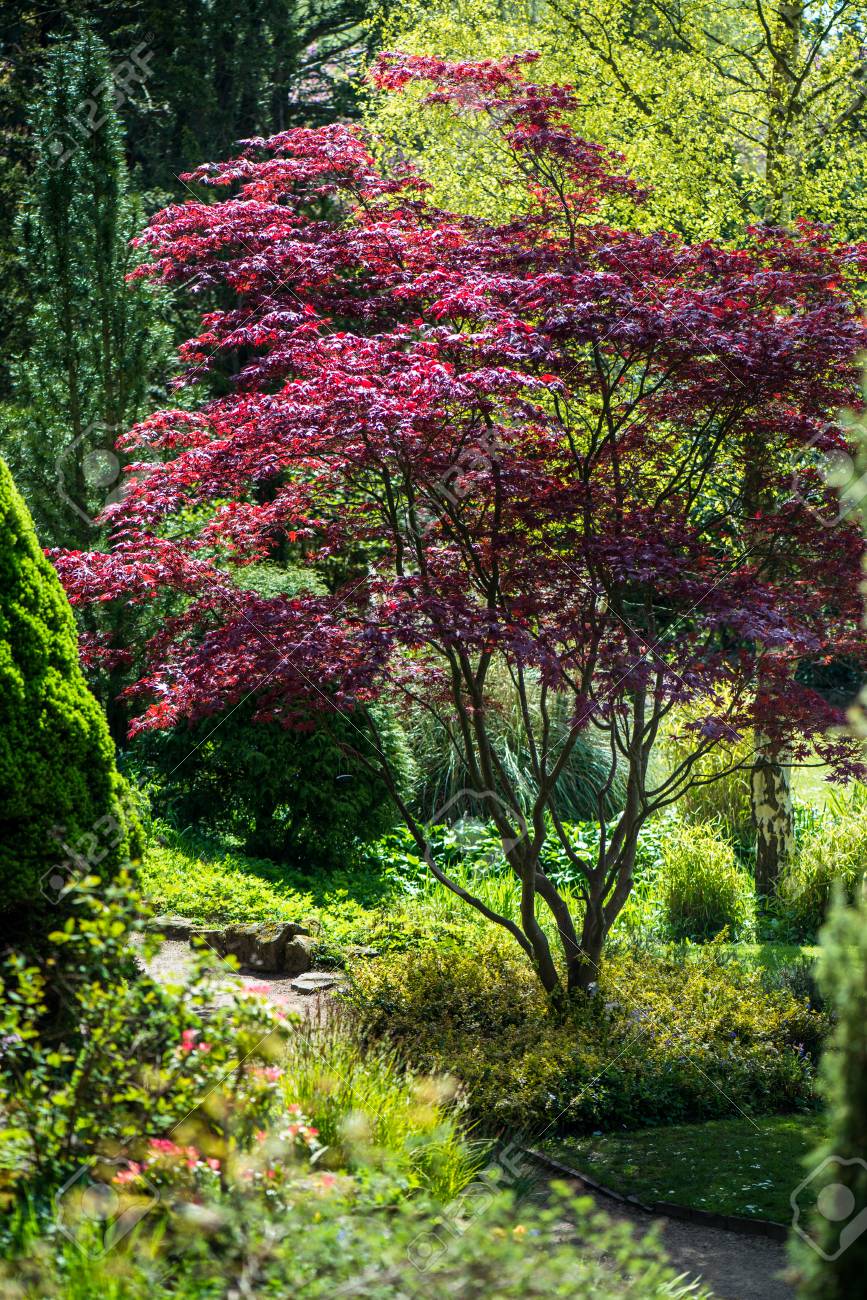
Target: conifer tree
{"x": 94, "y": 341}
{"x": 63, "y": 811}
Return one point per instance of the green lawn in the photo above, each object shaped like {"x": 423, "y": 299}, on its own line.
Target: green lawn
{"x": 730, "y": 1166}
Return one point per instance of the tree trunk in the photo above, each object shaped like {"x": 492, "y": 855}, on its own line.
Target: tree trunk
{"x": 584, "y": 969}
{"x": 781, "y": 162}
{"x": 773, "y": 815}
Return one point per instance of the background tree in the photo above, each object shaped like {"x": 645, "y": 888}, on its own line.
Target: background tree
{"x": 63, "y": 808}
{"x": 95, "y": 343}
{"x": 733, "y": 113}
{"x": 188, "y": 80}
{"x": 541, "y": 431}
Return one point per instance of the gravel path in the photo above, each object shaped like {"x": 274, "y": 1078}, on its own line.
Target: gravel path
{"x": 734, "y": 1267}
{"x": 173, "y": 961}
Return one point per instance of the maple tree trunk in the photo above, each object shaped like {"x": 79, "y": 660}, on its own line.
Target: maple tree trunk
{"x": 584, "y": 969}
{"x": 773, "y": 815}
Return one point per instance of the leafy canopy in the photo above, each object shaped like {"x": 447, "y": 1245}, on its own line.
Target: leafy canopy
{"x": 569, "y": 448}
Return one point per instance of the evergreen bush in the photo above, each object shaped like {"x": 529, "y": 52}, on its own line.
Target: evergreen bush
{"x": 64, "y": 809}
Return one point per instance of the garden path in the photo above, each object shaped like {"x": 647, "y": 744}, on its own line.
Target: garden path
{"x": 172, "y": 964}
{"x": 732, "y": 1266}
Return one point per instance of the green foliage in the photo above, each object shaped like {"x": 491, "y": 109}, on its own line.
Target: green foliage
{"x": 834, "y": 1192}
{"x": 661, "y": 1040}
{"x": 321, "y": 1245}
{"x": 94, "y": 342}
{"x": 374, "y": 904}
{"x": 701, "y": 888}
{"x": 299, "y": 796}
{"x": 199, "y": 1120}
{"x": 388, "y": 898}
{"x": 721, "y": 789}
{"x": 831, "y": 850}
{"x": 132, "y": 1063}
{"x": 62, "y": 802}
{"x": 685, "y": 93}
{"x": 371, "y": 1114}
{"x": 443, "y": 774}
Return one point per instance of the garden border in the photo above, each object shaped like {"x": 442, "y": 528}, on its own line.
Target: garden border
{"x": 744, "y": 1227}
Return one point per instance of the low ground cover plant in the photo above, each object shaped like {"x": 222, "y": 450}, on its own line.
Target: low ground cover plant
{"x": 661, "y": 1039}
{"x": 325, "y": 1245}
{"x": 237, "y": 1153}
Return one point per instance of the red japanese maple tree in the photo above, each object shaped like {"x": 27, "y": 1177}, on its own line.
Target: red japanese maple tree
{"x": 542, "y": 434}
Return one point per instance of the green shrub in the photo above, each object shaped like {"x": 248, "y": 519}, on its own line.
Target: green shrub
{"x": 833, "y": 850}
{"x": 701, "y": 888}
{"x": 322, "y": 1244}
{"x": 62, "y": 803}
{"x": 724, "y": 796}
{"x": 661, "y": 1040}
{"x": 295, "y": 795}
{"x": 136, "y": 1060}
{"x": 832, "y": 1261}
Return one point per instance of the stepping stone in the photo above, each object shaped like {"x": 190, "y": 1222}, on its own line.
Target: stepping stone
{"x": 315, "y": 981}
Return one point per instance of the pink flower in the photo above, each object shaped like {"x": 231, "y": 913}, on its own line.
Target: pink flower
{"x": 188, "y": 1041}
{"x": 128, "y": 1175}
{"x": 164, "y": 1147}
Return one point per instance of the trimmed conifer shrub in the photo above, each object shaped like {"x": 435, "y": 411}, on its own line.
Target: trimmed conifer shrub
{"x": 63, "y": 806}
{"x": 830, "y": 1205}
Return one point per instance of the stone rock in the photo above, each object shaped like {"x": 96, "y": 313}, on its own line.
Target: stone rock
{"x": 278, "y": 948}
{"x": 316, "y": 980}
{"x": 172, "y": 927}
{"x": 298, "y": 955}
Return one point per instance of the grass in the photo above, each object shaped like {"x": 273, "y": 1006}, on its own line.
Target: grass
{"x": 729, "y": 1166}
{"x": 387, "y": 900}
{"x": 372, "y": 1113}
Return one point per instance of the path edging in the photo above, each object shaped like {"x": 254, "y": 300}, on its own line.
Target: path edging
{"x": 727, "y": 1222}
